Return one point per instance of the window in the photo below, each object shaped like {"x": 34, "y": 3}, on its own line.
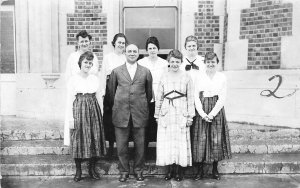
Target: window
{"x": 7, "y": 55}
{"x": 143, "y": 22}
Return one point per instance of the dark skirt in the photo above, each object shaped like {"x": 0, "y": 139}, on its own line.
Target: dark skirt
{"x": 210, "y": 141}
{"x": 151, "y": 129}
{"x": 87, "y": 139}
{"x": 107, "y": 117}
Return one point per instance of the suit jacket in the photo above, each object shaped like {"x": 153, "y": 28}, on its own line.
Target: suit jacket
{"x": 130, "y": 97}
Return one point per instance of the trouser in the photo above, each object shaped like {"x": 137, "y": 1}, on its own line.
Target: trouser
{"x": 122, "y": 139}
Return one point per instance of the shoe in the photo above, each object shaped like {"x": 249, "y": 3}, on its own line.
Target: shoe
{"x": 92, "y": 170}
{"x": 77, "y": 176}
{"x": 123, "y": 177}
{"x": 215, "y": 173}
{"x": 200, "y": 172}
{"x": 139, "y": 176}
{"x": 178, "y": 176}
{"x": 169, "y": 172}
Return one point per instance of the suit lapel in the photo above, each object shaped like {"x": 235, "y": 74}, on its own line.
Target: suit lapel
{"x": 137, "y": 73}
{"x": 126, "y": 73}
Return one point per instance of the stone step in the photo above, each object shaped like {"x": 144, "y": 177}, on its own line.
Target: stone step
{"x": 56, "y": 147}
{"x": 63, "y": 165}
{"x": 243, "y": 134}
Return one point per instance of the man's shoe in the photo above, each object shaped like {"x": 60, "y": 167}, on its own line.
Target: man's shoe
{"x": 139, "y": 176}
{"x": 123, "y": 177}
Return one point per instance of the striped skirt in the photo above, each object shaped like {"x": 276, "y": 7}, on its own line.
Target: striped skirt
{"x": 87, "y": 139}
{"x": 210, "y": 141}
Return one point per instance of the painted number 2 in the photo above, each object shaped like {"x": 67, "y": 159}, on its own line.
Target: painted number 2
{"x": 269, "y": 93}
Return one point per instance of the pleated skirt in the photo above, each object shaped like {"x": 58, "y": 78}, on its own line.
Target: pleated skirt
{"x": 87, "y": 139}
{"x": 210, "y": 141}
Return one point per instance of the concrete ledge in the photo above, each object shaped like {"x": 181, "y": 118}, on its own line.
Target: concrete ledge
{"x": 49, "y": 165}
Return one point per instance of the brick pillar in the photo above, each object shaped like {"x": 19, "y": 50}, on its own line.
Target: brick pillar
{"x": 264, "y": 24}
{"x": 207, "y": 26}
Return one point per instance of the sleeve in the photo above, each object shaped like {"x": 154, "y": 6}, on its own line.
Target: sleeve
{"x": 149, "y": 89}
{"x": 68, "y": 72}
{"x": 222, "y": 97}
{"x": 103, "y": 75}
{"x": 159, "y": 98}
{"x": 190, "y": 99}
{"x": 70, "y": 99}
{"x": 198, "y": 103}
{"x": 112, "y": 87}
{"x": 99, "y": 93}
{"x": 95, "y": 67}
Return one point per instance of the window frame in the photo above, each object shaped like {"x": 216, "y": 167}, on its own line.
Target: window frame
{"x": 149, "y": 4}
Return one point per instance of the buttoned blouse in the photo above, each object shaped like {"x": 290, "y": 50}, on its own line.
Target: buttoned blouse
{"x": 157, "y": 68}
{"x": 217, "y": 86}
{"x": 193, "y": 72}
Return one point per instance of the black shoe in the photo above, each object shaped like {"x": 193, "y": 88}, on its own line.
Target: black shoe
{"x": 200, "y": 172}
{"x": 215, "y": 173}
{"x": 77, "y": 176}
{"x": 92, "y": 170}
{"x": 123, "y": 177}
{"x": 169, "y": 172}
{"x": 178, "y": 176}
{"x": 94, "y": 174}
{"x": 139, "y": 176}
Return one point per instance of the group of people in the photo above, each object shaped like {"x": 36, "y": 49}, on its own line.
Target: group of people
{"x": 178, "y": 102}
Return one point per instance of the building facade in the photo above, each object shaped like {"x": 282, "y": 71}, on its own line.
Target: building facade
{"x": 257, "y": 42}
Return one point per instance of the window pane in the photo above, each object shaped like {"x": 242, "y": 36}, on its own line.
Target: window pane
{"x": 7, "y": 42}
{"x": 140, "y": 23}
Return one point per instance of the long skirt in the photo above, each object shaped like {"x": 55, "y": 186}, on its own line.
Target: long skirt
{"x": 210, "y": 141}
{"x": 173, "y": 140}
{"x": 107, "y": 117}
{"x": 87, "y": 139}
{"x": 151, "y": 129}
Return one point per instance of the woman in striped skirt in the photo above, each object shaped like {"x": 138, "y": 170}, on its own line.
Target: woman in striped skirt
{"x": 87, "y": 135}
{"x": 210, "y": 138}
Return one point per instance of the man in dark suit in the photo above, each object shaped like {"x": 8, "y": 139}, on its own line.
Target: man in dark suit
{"x": 130, "y": 93}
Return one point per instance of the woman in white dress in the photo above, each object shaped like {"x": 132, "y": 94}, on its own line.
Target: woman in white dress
{"x": 85, "y": 117}
{"x": 111, "y": 61}
{"x": 157, "y": 67}
{"x": 192, "y": 62}
{"x": 210, "y": 134}
{"x": 174, "y": 110}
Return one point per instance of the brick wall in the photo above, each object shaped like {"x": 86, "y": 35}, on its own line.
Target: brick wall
{"x": 207, "y": 26}
{"x": 263, "y": 25}
{"x": 88, "y": 16}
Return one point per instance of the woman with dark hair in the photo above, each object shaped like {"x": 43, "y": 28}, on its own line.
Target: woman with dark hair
{"x": 83, "y": 45}
{"x": 157, "y": 67}
{"x": 85, "y": 120}
{"x": 192, "y": 62}
{"x": 174, "y": 110}
{"x": 210, "y": 134}
{"x": 111, "y": 61}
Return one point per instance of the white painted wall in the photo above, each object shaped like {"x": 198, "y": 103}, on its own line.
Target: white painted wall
{"x": 245, "y": 104}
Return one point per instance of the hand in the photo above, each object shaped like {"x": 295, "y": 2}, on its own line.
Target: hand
{"x": 189, "y": 123}
{"x": 207, "y": 119}
{"x": 211, "y": 117}
{"x": 71, "y": 124}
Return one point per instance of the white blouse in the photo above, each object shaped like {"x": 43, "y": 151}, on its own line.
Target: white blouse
{"x": 211, "y": 87}
{"x": 110, "y": 62}
{"x": 193, "y": 72}
{"x": 78, "y": 84}
{"x": 72, "y": 66}
{"x": 157, "y": 68}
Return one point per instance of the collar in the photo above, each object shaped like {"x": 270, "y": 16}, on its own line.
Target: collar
{"x": 131, "y": 66}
